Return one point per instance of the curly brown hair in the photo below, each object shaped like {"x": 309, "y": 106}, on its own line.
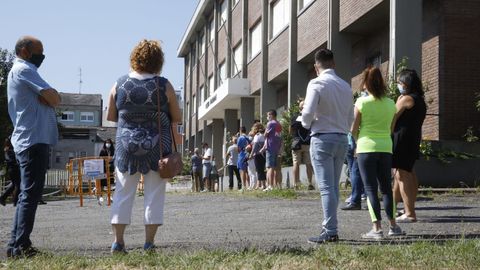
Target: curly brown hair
{"x": 147, "y": 57}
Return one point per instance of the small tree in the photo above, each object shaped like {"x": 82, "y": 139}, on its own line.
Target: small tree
{"x": 286, "y": 120}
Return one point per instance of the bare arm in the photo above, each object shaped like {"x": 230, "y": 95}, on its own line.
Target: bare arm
{"x": 112, "y": 113}
{"x": 50, "y": 97}
{"x": 403, "y": 103}
{"x": 357, "y": 119}
{"x": 173, "y": 104}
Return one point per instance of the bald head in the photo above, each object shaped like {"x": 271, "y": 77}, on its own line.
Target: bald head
{"x": 30, "y": 49}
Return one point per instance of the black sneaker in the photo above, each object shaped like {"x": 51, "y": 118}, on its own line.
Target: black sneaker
{"x": 3, "y": 201}
{"x": 27, "y": 252}
{"x": 311, "y": 187}
{"x": 351, "y": 206}
{"x": 323, "y": 238}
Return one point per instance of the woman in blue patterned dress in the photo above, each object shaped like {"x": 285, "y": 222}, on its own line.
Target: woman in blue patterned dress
{"x": 133, "y": 105}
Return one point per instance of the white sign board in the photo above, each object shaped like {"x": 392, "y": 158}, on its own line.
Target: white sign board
{"x": 93, "y": 169}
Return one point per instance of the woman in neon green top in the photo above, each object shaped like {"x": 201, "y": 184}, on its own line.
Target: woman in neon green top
{"x": 374, "y": 117}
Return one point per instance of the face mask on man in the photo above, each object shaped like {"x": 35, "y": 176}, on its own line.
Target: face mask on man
{"x": 108, "y": 145}
{"x": 401, "y": 89}
{"x": 36, "y": 59}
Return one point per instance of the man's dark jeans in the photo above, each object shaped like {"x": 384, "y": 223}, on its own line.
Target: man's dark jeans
{"x": 355, "y": 178}
{"x": 233, "y": 169}
{"x": 33, "y": 166}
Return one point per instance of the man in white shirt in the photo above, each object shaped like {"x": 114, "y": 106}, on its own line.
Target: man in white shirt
{"x": 328, "y": 113}
{"x": 207, "y": 166}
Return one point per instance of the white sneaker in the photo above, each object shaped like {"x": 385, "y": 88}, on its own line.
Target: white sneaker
{"x": 395, "y": 231}
{"x": 348, "y": 199}
{"x": 373, "y": 235}
{"x": 100, "y": 201}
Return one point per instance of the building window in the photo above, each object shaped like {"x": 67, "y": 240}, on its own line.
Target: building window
{"x": 234, "y": 3}
{"x": 58, "y": 157}
{"x": 212, "y": 30}
{"x": 86, "y": 117}
{"x": 280, "y": 16}
{"x": 222, "y": 73}
{"x": 237, "y": 59}
{"x": 374, "y": 61}
{"x": 255, "y": 40}
{"x": 180, "y": 129}
{"x": 202, "y": 94}
{"x": 303, "y": 3}
{"x": 194, "y": 105}
{"x": 71, "y": 155}
{"x": 202, "y": 44}
{"x": 83, "y": 154}
{"x": 211, "y": 85}
{"x": 68, "y": 116}
{"x": 223, "y": 13}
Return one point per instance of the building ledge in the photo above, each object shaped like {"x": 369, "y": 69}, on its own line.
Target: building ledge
{"x": 227, "y": 96}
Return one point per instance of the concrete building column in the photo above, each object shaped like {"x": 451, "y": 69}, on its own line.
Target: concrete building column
{"x": 217, "y": 141}
{"x": 247, "y": 112}
{"x": 405, "y": 34}
{"x": 297, "y": 73}
{"x": 207, "y": 134}
{"x": 268, "y": 94}
{"x": 339, "y": 43}
{"x": 231, "y": 123}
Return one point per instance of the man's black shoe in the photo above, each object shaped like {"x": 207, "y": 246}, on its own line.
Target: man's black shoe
{"x": 3, "y": 201}
{"x": 27, "y": 252}
{"x": 42, "y": 202}
{"x": 323, "y": 238}
{"x": 351, "y": 206}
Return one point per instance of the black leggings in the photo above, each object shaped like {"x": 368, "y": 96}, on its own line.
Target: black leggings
{"x": 233, "y": 169}
{"x": 375, "y": 169}
{"x": 259, "y": 161}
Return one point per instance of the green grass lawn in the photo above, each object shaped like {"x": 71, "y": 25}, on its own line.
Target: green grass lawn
{"x": 461, "y": 254}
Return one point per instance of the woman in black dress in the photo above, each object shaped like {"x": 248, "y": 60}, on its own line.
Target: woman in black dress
{"x": 411, "y": 111}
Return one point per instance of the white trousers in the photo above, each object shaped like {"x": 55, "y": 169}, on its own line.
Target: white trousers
{"x": 125, "y": 190}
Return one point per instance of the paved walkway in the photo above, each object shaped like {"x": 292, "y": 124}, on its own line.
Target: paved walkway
{"x": 232, "y": 221}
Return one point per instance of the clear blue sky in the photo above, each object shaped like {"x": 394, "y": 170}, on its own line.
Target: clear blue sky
{"x": 96, "y": 35}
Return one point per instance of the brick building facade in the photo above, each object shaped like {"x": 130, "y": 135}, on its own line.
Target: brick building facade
{"x": 245, "y": 57}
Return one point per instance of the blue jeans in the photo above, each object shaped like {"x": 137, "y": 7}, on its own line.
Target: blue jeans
{"x": 355, "y": 178}
{"x": 327, "y": 152}
{"x": 33, "y": 166}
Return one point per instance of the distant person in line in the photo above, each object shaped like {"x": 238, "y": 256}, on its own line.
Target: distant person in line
{"x": 300, "y": 155}
{"x": 328, "y": 113}
{"x": 207, "y": 167}
{"x": 232, "y": 160}
{"x": 252, "y": 172}
{"x": 133, "y": 104}
{"x": 31, "y": 106}
{"x": 214, "y": 176}
{"x": 272, "y": 146}
{"x": 372, "y": 131}
{"x": 411, "y": 112}
{"x": 259, "y": 157}
{"x": 13, "y": 174}
{"x": 242, "y": 164}
{"x": 354, "y": 201}
{"x": 108, "y": 150}
{"x": 196, "y": 171}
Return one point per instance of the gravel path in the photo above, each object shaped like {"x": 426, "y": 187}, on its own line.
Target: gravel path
{"x": 232, "y": 221}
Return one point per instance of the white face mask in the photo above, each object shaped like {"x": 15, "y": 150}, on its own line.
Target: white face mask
{"x": 401, "y": 89}
{"x": 108, "y": 145}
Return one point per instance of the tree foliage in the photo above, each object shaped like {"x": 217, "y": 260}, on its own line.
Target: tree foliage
{"x": 6, "y": 62}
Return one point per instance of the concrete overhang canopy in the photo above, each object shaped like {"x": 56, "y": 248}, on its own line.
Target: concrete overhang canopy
{"x": 227, "y": 96}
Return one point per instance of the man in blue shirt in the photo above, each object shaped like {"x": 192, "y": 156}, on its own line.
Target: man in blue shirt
{"x": 31, "y": 103}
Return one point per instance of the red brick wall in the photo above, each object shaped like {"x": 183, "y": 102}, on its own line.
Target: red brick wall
{"x": 201, "y": 70}
{"x": 461, "y": 67}
{"x": 237, "y": 29}
{"x": 254, "y": 12}
{"x": 254, "y": 73}
{"x": 222, "y": 44}
{"x": 430, "y": 67}
{"x": 278, "y": 55}
{"x": 352, "y": 10}
{"x": 312, "y": 28}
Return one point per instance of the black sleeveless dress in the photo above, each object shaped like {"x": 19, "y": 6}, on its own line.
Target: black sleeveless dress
{"x": 407, "y": 135}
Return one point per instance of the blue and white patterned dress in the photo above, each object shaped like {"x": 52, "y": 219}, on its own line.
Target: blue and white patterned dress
{"x": 137, "y": 148}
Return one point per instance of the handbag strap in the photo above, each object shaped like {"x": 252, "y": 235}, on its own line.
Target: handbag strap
{"x": 160, "y": 124}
